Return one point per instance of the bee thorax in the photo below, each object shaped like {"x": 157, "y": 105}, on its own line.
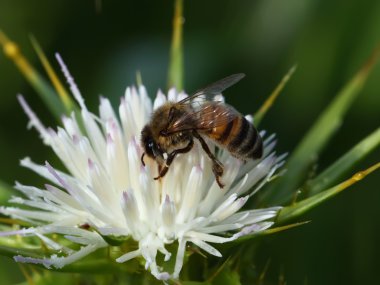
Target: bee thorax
{"x": 174, "y": 141}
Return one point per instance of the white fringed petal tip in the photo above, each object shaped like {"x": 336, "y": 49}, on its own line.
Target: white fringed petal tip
{"x": 107, "y": 188}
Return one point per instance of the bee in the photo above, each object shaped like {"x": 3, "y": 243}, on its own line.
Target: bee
{"x": 174, "y": 126}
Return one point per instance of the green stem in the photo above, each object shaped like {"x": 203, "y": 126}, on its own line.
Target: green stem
{"x": 175, "y": 76}
{"x": 259, "y": 115}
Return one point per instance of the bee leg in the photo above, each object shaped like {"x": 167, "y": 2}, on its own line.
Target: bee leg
{"x": 217, "y": 178}
{"x": 217, "y": 166}
{"x": 164, "y": 169}
{"x": 159, "y": 168}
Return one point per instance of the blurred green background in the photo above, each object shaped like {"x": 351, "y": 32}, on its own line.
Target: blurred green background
{"x": 104, "y": 43}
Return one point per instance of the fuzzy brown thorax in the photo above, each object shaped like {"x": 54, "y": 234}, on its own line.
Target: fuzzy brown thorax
{"x": 153, "y": 137}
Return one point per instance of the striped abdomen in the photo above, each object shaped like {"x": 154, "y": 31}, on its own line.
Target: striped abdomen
{"x": 240, "y": 138}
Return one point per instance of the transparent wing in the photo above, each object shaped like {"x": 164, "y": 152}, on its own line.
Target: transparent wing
{"x": 213, "y": 89}
{"x": 209, "y": 115}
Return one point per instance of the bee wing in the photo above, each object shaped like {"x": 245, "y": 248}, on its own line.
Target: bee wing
{"x": 216, "y": 88}
{"x": 205, "y": 113}
{"x": 210, "y": 115}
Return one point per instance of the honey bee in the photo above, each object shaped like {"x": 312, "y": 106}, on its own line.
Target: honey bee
{"x": 174, "y": 125}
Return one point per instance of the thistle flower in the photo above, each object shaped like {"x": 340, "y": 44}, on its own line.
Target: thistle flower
{"x": 107, "y": 193}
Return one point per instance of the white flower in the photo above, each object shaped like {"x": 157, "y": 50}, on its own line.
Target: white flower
{"x": 107, "y": 188}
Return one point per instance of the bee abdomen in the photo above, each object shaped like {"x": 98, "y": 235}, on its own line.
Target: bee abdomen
{"x": 242, "y": 139}
{"x": 253, "y": 148}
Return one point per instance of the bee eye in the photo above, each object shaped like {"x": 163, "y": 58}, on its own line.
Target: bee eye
{"x": 150, "y": 148}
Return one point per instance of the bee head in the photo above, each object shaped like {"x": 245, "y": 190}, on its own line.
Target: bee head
{"x": 148, "y": 143}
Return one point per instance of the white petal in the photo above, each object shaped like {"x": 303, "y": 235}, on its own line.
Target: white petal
{"x": 107, "y": 188}
{"x": 172, "y": 95}
{"x": 179, "y": 258}
{"x": 131, "y": 213}
{"x": 34, "y": 121}
{"x": 70, "y": 80}
{"x": 94, "y": 134}
{"x": 128, "y": 256}
{"x": 206, "y": 247}
{"x": 192, "y": 196}
{"x": 59, "y": 262}
{"x": 168, "y": 213}
{"x": 106, "y": 112}
{"x": 160, "y": 100}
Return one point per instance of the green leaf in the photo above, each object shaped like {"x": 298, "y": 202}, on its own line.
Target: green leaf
{"x": 13, "y": 251}
{"x": 259, "y": 115}
{"x": 316, "y": 139}
{"x": 343, "y": 164}
{"x": 275, "y": 230}
{"x": 47, "y": 278}
{"x": 227, "y": 277}
{"x": 115, "y": 240}
{"x": 5, "y": 192}
{"x": 299, "y": 208}
{"x": 100, "y": 266}
{"x": 40, "y": 85}
{"x": 195, "y": 283}
{"x": 139, "y": 78}
{"x": 175, "y": 76}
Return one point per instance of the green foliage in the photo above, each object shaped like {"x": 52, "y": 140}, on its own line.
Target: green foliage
{"x": 48, "y": 278}
{"x": 309, "y": 149}
{"x": 345, "y": 163}
{"x": 5, "y": 192}
{"x": 40, "y": 85}
{"x": 318, "y": 189}
{"x": 64, "y": 96}
{"x": 259, "y": 115}
{"x": 195, "y": 283}
{"x": 298, "y": 208}
{"x": 227, "y": 277}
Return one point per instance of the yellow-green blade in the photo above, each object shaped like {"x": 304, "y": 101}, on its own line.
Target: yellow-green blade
{"x": 175, "y": 76}
{"x": 5, "y": 192}
{"x": 288, "y": 213}
{"x": 316, "y": 139}
{"x": 343, "y": 164}
{"x": 269, "y": 231}
{"x": 64, "y": 96}
{"x": 259, "y": 115}
{"x": 43, "y": 89}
